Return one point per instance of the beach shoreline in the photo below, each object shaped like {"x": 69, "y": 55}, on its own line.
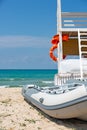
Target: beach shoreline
{"x": 17, "y": 114}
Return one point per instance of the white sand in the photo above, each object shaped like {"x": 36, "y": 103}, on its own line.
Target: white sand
{"x": 17, "y": 114}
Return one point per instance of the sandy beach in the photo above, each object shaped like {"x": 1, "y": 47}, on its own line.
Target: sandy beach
{"x": 17, "y": 114}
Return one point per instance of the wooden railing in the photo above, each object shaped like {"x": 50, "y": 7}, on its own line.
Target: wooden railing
{"x": 74, "y": 20}
{"x": 60, "y": 79}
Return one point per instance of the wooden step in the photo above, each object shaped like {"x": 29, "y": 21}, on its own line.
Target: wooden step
{"x": 82, "y": 39}
{"x": 83, "y": 45}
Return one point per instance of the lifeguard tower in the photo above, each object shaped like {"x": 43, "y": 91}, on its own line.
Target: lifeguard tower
{"x": 68, "y": 97}
{"x": 74, "y": 25}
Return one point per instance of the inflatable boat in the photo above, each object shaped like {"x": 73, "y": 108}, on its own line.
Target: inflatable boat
{"x": 68, "y": 101}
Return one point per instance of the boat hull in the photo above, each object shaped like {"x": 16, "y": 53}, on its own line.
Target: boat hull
{"x": 72, "y": 107}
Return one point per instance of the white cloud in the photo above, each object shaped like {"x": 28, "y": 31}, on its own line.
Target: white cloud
{"x": 23, "y": 41}
{"x": 24, "y": 52}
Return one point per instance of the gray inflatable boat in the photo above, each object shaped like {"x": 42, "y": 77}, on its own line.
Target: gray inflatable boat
{"x": 63, "y": 102}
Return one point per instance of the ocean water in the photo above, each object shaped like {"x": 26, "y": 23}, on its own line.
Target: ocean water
{"x": 19, "y": 78}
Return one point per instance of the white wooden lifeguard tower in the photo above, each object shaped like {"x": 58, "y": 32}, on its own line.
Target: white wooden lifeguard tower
{"x": 74, "y": 24}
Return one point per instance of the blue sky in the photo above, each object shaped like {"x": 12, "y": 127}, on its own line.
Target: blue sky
{"x": 26, "y": 28}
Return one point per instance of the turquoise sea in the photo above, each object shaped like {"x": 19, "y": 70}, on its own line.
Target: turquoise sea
{"x": 19, "y": 78}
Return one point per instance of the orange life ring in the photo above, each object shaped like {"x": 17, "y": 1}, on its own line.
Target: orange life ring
{"x": 55, "y": 38}
{"x": 65, "y": 37}
{"x": 55, "y": 41}
{"x": 51, "y": 52}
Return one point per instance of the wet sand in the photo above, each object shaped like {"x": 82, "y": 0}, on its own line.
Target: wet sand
{"x": 17, "y": 114}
